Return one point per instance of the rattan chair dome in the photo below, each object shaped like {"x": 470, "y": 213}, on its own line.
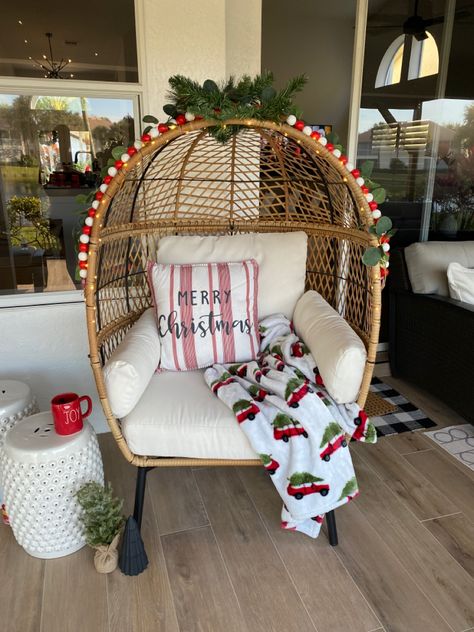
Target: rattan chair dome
{"x": 268, "y": 177}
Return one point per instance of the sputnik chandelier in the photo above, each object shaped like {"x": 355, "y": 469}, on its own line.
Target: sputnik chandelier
{"x": 52, "y": 69}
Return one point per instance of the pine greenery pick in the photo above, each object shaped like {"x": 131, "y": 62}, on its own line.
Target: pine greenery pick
{"x": 243, "y": 98}
{"x": 101, "y": 513}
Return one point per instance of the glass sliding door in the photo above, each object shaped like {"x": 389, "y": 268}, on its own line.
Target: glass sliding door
{"x": 417, "y": 115}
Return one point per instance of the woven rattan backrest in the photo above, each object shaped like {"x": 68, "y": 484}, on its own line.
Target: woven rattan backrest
{"x": 269, "y": 177}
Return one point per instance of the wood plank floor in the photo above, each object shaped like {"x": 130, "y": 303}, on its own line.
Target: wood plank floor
{"x": 220, "y": 563}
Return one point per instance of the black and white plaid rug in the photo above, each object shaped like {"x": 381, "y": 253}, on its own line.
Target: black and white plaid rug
{"x": 407, "y": 416}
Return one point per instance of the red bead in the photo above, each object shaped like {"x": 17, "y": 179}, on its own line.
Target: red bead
{"x": 99, "y": 195}
{"x": 329, "y": 146}
{"x": 343, "y": 159}
{"x": 91, "y": 212}
{"x": 131, "y": 151}
{"x": 383, "y": 272}
{"x": 373, "y": 205}
{"x": 83, "y": 247}
{"x": 83, "y": 265}
{"x": 198, "y": 118}
{"x": 118, "y": 164}
{"x": 217, "y": 110}
{"x": 364, "y": 189}
{"x": 162, "y": 128}
{"x": 146, "y": 138}
{"x": 315, "y": 135}
{"x": 299, "y": 125}
{"x": 107, "y": 179}
{"x": 181, "y": 119}
{"x": 355, "y": 173}
{"x": 86, "y": 230}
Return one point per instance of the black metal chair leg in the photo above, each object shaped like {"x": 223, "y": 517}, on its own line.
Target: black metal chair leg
{"x": 332, "y": 529}
{"x": 140, "y": 495}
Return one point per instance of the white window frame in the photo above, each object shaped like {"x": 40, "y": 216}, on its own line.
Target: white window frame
{"x": 79, "y": 88}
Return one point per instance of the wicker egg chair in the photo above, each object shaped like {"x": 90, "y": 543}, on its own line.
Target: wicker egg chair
{"x": 268, "y": 177}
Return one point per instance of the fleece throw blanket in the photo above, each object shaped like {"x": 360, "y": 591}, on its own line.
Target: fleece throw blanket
{"x": 291, "y": 421}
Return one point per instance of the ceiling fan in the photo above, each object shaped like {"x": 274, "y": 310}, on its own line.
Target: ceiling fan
{"x": 416, "y": 25}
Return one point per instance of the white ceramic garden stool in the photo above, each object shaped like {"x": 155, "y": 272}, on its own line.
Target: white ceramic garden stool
{"x": 42, "y": 472}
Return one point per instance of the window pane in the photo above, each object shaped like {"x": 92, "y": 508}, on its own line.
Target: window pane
{"x": 52, "y": 150}
{"x": 98, "y": 38}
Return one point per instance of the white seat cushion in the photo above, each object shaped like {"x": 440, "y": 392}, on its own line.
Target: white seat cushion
{"x": 427, "y": 263}
{"x": 178, "y": 415}
{"x": 281, "y": 259}
{"x": 461, "y": 283}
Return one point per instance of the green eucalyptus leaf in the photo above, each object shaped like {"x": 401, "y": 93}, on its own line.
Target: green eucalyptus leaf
{"x": 379, "y": 195}
{"x": 118, "y": 151}
{"x": 170, "y": 110}
{"x": 333, "y": 138}
{"x": 268, "y": 93}
{"x": 372, "y": 229}
{"x": 371, "y": 256}
{"x": 103, "y": 172}
{"x": 366, "y": 168}
{"x": 383, "y": 225}
{"x": 81, "y": 199}
{"x": 110, "y": 162}
{"x": 391, "y": 232}
{"x": 147, "y": 129}
{"x": 210, "y": 86}
{"x": 150, "y": 119}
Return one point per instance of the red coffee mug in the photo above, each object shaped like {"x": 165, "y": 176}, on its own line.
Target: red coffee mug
{"x": 67, "y": 413}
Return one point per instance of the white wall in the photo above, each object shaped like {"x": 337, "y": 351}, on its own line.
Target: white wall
{"x": 46, "y": 346}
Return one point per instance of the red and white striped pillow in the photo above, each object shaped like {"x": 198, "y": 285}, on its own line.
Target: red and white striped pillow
{"x": 206, "y": 313}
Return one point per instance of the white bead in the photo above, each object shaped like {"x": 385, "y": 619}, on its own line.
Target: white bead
{"x": 323, "y": 140}
{"x": 154, "y": 132}
{"x": 360, "y": 181}
{"x": 173, "y": 122}
{"x": 88, "y": 221}
{"x": 124, "y": 157}
{"x": 376, "y": 214}
{"x": 138, "y": 144}
{"x": 82, "y": 256}
{"x": 84, "y": 239}
{"x": 337, "y": 153}
{"x": 95, "y": 204}
{"x": 112, "y": 171}
{"x": 83, "y": 274}
{"x": 349, "y": 166}
{"x": 369, "y": 197}
{"x": 103, "y": 187}
{"x": 386, "y": 247}
{"x": 291, "y": 120}
{"x": 387, "y": 263}
{"x": 307, "y": 130}
{"x": 189, "y": 116}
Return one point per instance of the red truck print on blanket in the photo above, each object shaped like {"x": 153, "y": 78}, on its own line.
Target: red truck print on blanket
{"x": 245, "y": 409}
{"x": 325, "y": 399}
{"x": 258, "y": 394}
{"x": 299, "y": 349}
{"x": 295, "y": 391}
{"x": 333, "y": 439}
{"x": 285, "y": 427}
{"x": 225, "y": 378}
{"x": 238, "y": 369}
{"x": 350, "y": 490}
{"x": 269, "y": 464}
{"x": 361, "y": 422}
{"x": 303, "y": 483}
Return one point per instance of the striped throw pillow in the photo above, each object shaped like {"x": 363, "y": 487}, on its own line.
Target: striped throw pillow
{"x": 206, "y": 313}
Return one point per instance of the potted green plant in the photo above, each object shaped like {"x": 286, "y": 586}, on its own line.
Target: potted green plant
{"x": 103, "y": 520}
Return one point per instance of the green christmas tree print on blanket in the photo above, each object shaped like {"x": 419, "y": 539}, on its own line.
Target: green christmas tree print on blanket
{"x": 295, "y": 426}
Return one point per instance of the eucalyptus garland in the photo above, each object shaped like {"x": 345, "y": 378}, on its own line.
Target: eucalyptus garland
{"x": 245, "y": 98}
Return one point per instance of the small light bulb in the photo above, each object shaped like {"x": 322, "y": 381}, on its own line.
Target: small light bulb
{"x": 20, "y": 22}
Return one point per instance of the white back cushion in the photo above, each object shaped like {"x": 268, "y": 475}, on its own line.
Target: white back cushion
{"x": 130, "y": 368}
{"x": 339, "y": 353}
{"x": 428, "y": 262}
{"x": 461, "y": 283}
{"x": 281, "y": 258}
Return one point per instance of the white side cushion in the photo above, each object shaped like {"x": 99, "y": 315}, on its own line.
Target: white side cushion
{"x": 461, "y": 283}
{"x": 178, "y": 415}
{"x": 281, "y": 258}
{"x": 129, "y": 369}
{"x": 338, "y": 351}
{"x": 427, "y": 264}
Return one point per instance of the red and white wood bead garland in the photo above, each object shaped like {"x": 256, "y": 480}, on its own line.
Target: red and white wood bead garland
{"x": 375, "y": 211}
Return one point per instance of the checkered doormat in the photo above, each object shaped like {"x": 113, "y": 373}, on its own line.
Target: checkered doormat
{"x": 406, "y": 417}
